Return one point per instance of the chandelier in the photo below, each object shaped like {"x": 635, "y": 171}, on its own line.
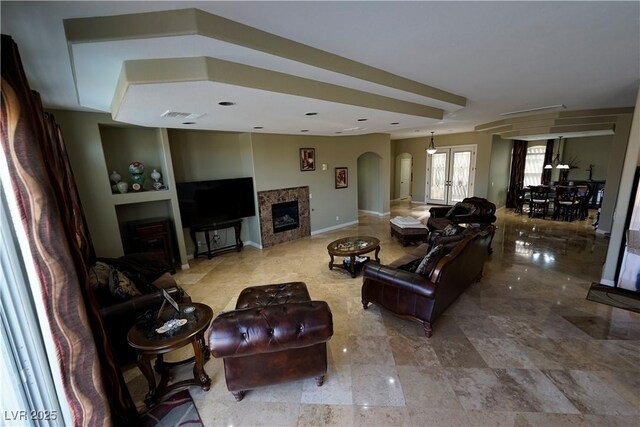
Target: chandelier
{"x": 556, "y": 161}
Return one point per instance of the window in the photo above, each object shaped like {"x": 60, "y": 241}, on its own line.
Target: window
{"x": 533, "y": 165}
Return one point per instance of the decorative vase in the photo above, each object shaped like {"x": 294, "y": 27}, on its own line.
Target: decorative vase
{"x": 115, "y": 177}
{"x": 123, "y": 187}
{"x": 157, "y": 185}
{"x": 136, "y": 170}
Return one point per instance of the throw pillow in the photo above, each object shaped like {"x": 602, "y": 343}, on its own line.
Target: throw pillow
{"x": 99, "y": 276}
{"x": 430, "y": 260}
{"x": 411, "y": 266}
{"x": 451, "y": 230}
{"x": 141, "y": 268}
{"x": 120, "y": 286}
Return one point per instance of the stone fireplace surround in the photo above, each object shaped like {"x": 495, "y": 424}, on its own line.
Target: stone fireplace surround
{"x": 267, "y": 198}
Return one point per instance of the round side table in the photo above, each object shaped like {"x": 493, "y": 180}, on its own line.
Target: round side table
{"x": 148, "y": 343}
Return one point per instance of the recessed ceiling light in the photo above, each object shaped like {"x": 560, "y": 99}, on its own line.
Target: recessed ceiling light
{"x": 188, "y": 123}
{"x": 362, "y": 120}
{"x": 226, "y": 103}
{"x": 311, "y": 114}
{"x": 395, "y": 123}
{"x": 258, "y": 127}
{"x": 304, "y": 130}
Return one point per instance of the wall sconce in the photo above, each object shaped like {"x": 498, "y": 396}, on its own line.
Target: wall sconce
{"x": 432, "y": 148}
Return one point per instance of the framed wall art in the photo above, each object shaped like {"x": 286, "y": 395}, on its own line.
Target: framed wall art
{"x": 307, "y": 159}
{"x": 342, "y": 177}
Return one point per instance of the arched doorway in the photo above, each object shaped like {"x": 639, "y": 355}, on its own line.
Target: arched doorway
{"x": 369, "y": 187}
{"x": 403, "y": 176}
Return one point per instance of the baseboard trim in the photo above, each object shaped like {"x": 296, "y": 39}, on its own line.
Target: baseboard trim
{"x": 335, "y": 227}
{"x": 254, "y": 244}
{"x": 374, "y": 213}
{"x": 603, "y": 232}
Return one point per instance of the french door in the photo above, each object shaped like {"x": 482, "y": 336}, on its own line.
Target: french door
{"x": 450, "y": 174}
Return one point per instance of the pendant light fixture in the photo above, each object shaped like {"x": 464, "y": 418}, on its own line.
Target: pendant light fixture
{"x": 556, "y": 161}
{"x": 432, "y": 148}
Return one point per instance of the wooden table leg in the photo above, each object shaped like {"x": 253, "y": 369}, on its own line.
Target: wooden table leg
{"x": 376, "y": 254}
{"x": 144, "y": 363}
{"x": 331, "y": 262}
{"x": 352, "y": 266}
{"x": 206, "y": 235}
{"x": 198, "y": 368}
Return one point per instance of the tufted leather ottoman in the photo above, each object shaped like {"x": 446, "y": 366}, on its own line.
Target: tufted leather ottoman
{"x": 276, "y": 334}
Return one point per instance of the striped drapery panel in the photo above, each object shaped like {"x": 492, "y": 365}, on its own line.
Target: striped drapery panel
{"x": 52, "y": 216}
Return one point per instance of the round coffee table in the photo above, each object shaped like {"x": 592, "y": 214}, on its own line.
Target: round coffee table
{"x": 351, "y": 247}
{"x": 150, "y": 343}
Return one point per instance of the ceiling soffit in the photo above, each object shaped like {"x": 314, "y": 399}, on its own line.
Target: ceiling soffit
{"x": 216, "y": 70}
{"x": 99, "y": 46}
{"x": 551, "y": 125}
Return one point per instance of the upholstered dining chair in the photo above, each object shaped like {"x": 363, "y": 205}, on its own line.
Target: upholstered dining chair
{"x": 567, "y": 203}
{"x": 539, "y": 201}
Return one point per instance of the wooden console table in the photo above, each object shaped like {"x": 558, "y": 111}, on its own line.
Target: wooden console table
{"x": 206, "y": 229}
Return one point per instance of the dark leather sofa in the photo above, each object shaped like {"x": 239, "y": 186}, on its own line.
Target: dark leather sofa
{"x": 422, "y": 298}
{"x": 276, "y": 334}
{"x": 472, "y": 210}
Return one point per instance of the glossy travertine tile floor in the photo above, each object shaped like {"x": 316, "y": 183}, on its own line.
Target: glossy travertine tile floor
{"x": 523, "y": 347}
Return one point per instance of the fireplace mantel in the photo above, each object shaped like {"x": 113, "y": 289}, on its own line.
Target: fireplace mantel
{"x": 267, "y": 198}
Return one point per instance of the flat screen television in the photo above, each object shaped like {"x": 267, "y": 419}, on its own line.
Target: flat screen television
{"x": 208, "y": 202}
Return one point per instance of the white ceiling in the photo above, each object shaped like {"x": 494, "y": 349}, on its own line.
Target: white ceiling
{"x": 501, "y": 56}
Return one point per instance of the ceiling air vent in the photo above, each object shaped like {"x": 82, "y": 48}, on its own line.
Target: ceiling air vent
{"x": 181, "y": 115}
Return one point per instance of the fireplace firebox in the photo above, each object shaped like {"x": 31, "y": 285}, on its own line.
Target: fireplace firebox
{"x": 285, "y": 216}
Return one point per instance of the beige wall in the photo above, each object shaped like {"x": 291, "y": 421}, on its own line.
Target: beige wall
{"x": 499, "y": 170}
{"x": 206, "y": 155}
{"x": 82, "y": 139}
{"x": 617, "y": 150}
{"x": 277, "y": 165}
{"x": 369, "y": 195}
{"x": 594, "y": 150}
{"x": 417, "y": 146}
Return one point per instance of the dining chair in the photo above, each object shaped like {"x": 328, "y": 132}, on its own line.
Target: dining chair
{"x": 538, "y": 201}
{"x": 567, "y": 204}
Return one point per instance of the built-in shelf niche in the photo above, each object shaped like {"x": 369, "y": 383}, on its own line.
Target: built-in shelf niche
{"x": 122, "y": 145}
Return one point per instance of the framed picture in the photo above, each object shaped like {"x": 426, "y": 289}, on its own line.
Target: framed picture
{"x": 307, "y": 159}
{"x": 342, "y": 177}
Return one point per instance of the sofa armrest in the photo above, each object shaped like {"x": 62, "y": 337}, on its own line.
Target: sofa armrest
{"x": 139, "y": 303}
{"x": 474, "y": 218}
{"x": 411, "y": 282}
{"x": 270, "y": 328}
{"x": 439, "y": 211}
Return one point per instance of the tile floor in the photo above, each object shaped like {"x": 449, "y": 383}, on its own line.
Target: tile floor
{"x": 523, "y": 347}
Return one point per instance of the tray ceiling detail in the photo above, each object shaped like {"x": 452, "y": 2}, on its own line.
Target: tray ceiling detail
{"x": 188, "y": 60}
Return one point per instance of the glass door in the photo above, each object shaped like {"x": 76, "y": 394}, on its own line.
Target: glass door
{"x": 450, "y": 174}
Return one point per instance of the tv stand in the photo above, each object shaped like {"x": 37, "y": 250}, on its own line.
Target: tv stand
{"x": 207, "y": 228}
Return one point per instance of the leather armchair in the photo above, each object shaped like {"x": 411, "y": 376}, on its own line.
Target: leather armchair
{"x": 472, "y": 210}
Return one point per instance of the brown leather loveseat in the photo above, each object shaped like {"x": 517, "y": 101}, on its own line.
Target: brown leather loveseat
{"x": 422, "y": 297}
{"x": 471, "y": 210}
{"x": 276, "y": 334}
